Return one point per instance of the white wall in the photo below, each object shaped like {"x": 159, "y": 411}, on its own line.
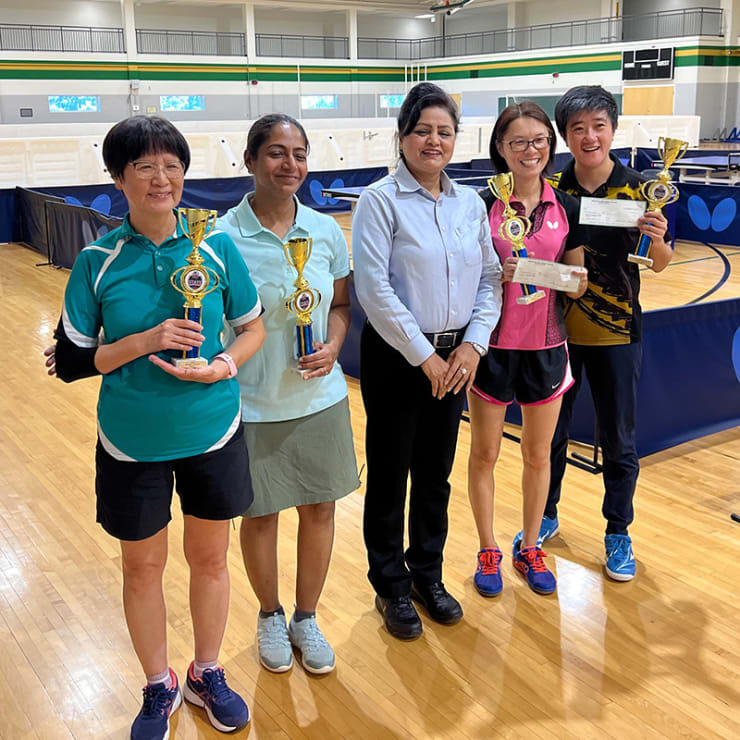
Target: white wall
{"x": 188, "y": 17}
{"x": 56, "y": 12}
{"x": 556, "y": 11}
{"x": 640, "y": 7}
{"x": 283, "y": 21}
{"x": 377, "y": 26}
{"x": 472, "y": 19}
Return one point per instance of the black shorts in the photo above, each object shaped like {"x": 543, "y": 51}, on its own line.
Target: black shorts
{"x": 529, "y": 376}
{"x": 133, "y": 498}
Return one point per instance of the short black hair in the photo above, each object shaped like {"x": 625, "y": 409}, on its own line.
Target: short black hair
{"x": 509, "y": 114}
{"x": 424, "y": 95}
{"x": 588, "y": 98}
{"x": 138, "y": 136}
{"x": 261, "y": 129}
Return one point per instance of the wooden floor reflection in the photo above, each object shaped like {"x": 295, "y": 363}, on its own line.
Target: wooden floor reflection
{"x": 657, "y": 657}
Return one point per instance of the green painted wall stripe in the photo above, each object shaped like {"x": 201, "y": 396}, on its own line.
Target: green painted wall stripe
{"x": 596, "y": 61}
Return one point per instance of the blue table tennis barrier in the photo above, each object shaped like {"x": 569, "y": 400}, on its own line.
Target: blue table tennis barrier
{"x": 690, "y": 382}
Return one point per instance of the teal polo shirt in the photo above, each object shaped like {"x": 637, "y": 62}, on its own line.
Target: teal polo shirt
{"x": 271, "y": 389}
{"x": 120, "y": 285}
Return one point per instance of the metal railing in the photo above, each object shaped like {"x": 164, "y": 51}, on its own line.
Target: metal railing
{"x": 663, "y": 24}
{"x": 203, "y": 43}
{"x": 287, "y": 45}
{"x": 23, "y": 37}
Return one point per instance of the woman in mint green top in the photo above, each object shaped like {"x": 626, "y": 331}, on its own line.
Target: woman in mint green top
{"x": 297, "y": 425}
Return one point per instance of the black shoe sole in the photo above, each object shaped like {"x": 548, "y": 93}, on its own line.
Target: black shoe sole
{"x": 448, "y": 621}
{"x": 412, "y": 633}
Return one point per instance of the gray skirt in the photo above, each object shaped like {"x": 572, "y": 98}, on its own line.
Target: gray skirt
{"x": 309, "y": 460}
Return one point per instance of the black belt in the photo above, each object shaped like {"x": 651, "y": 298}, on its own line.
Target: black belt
{"x": 446, "y": 339}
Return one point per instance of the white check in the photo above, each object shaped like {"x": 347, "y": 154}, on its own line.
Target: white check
{"x": 607, "y": 212}
{"x": 546, "y": 274}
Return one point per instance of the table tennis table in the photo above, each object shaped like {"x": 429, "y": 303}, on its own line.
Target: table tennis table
{"x": 713, "y": 169}
{"x": 352, "y": 194}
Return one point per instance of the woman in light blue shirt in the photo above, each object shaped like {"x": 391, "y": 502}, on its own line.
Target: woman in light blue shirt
{"x": 429, "y": 281}
{"x": 297, "y": 425}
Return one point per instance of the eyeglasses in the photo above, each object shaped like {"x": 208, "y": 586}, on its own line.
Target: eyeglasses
{"x": 148, "y": 170}
{"x": 521, "y": 145}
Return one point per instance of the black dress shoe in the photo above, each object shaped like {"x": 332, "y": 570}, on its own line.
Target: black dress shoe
{"x": 400, "y": 616}
{"x": 441, "y": 605}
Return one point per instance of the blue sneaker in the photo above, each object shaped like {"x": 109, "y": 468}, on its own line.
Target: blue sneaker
{"x": 620, "y": 560}
{"x": 548, "y": 529}
{"x": 276, "y": 653}
{"x": 487, "y": 578}
{"x": 153, "y": 721}
{"x": 529, "y": 562}
{"x": 226, "y": 710}
{"x": 317, "y": 655}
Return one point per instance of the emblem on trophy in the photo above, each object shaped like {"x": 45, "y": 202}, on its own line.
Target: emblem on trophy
{"x": 658, "y": 193}
{"x": 305, "y": 298}
{"x": 513, "y": 229}
{"x": 194, "y": 280}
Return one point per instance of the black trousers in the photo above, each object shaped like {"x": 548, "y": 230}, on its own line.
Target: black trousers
{"x": 613, "y": 373}
{"x": 408, "y": 432}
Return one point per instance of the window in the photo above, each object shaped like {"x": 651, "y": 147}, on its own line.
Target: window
{"x": 182, "y": 102}
{"x": 391, "y": 101}
{"x": 318, "y": 102}
{"x": 74, "y": 103}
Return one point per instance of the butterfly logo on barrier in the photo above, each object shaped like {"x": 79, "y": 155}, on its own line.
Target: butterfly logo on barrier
{"x": 736, "y": 353}
{"x": 315, "y": 187}
{"x": 101, "y": 203}
{"x": 719, "y": 220}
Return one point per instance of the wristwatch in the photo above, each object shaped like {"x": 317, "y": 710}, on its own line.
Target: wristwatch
{"x": 479, "y": 348}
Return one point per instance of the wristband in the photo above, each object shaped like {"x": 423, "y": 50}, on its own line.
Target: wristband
{"x": 229, "y": 360}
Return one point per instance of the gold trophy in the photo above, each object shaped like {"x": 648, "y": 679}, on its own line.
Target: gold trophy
{"x": 658, "y": 193}
{"x": 305, "y": 298}
{"x": 194, "y": 280}
{"x": 513, "y": 229}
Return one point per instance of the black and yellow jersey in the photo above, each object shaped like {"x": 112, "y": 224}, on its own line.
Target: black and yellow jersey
{"x": 609, "y": 311}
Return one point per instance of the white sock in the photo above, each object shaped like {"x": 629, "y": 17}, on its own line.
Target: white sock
{"x": 165, "y": 677}
{"x": 198, "y": 668}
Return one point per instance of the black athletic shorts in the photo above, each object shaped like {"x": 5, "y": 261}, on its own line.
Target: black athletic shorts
{"x": 133, "y": 498}
{"x": 529, "y": 376}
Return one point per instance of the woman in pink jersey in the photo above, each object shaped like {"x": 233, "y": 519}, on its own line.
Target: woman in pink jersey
{"x": 527, "y": 358}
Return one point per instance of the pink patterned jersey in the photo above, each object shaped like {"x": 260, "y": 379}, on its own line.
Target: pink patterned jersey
{"x": 555, "y": 229}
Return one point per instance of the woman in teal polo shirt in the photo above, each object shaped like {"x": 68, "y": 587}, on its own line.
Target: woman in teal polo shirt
{"x": 297, "y": 424}
{"x": 155, "y": 421}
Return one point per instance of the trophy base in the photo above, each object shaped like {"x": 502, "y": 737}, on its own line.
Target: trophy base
{"x": 186, "y": 362}
{"x": 639, "y": 260}
{"x": 525, "y": 300}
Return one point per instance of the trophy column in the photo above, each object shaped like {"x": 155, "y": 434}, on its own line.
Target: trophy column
{"x": 305, "y": 298}
{"x": 658, "y": 193}
{"x": 194, "y": 280}
{"x": 514, "y": 229}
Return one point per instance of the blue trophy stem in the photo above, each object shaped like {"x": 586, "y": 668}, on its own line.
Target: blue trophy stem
{"x": 305, "y": 339}
{"x": 192, "y": 314}
{"x": 526, "y": 289}
{"x": 643, "y": 246}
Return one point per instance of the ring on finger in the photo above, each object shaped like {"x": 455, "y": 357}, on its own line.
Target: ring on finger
{"x": 464, "y": 370}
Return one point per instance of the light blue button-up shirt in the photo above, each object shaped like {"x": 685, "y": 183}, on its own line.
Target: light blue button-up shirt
{"x": 424, "y": 265}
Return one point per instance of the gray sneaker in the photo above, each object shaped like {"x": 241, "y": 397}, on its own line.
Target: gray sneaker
{"x": 316, "y": 653}
{"x": 273, "y": 643}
